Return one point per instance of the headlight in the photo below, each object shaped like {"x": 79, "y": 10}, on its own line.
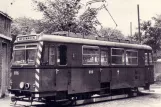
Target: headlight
{"x": 22, "y": 84}
{"x": 27, "y": 86}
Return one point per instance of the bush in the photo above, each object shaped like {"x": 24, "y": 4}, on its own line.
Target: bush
{"x": 158, "y": 78}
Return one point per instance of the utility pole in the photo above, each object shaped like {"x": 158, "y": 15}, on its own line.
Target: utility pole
{"x": 131, "y": 29}
{"x": 139, "y": 24}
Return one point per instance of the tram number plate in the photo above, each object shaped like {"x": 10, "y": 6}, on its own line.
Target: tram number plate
{"x": 16, "y": 72}
{"x": 90, "y": 71}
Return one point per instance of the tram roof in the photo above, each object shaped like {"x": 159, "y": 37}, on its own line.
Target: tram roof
{"x": 55, "y": 38}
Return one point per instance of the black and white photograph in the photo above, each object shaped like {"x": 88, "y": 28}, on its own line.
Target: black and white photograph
{"x": 80, "y": 53}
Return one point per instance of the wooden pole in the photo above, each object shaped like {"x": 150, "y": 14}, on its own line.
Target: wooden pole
{"x": 139, "y": 24}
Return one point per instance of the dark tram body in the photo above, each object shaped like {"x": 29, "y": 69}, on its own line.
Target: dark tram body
{"x": 57, "y": 67}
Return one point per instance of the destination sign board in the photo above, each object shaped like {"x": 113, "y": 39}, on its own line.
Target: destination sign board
{"x": 26, "y": 38}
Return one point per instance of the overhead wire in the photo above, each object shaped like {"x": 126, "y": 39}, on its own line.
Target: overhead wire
{"x": 97, "y": 9}
{"x": 103, "y": 7}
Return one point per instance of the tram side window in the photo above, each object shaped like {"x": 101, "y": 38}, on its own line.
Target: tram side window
{"x": 104, "y": 57}
{"x": 62, "y": 55}
{"x": 90, "y": 55}
{"x": 49, "y": 55}
{"x": 117, "y": 56}
{"x": 150, "y": 59}
{"x": 146, "y": 58}
{"x": 131, "y": 57}
{"x": 45, "y": 55}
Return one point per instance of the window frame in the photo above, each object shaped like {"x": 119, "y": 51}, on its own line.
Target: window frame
{"x": 13, "y": 60}
{"x": 107, "y": 50}
{"x": 24, "y": 47}
{"x": 146, "y": 63}
{"x": 57, "y": 55}
{"x": 131, "y": 50}
{"x": 118, "y": 56}
{"x": 46, "y": 62}
{"x": 52, "y": 54}
{"x": 91, "y": 47}
{"x": 44, "y": 58}
{"x": 150, "y": 62}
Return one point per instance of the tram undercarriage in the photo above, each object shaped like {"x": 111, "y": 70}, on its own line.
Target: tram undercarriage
{"x": 62, "y": 98}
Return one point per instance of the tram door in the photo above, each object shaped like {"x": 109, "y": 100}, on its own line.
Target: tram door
{"x": 146, "y": 66}
{"x": 62, "y": 70}
{"x": 149, "y": 76}
{"x": 105, "y": 72}
{"x": 138, "y": 71}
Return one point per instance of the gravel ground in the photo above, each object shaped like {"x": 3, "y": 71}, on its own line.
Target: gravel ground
{"x": 150, "y": 98}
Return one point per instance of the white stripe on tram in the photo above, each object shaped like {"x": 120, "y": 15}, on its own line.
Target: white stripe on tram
{"x": 39, "y": 55}
{"x": 36, "y": 84}
{"x": 37, "y": 77}
{"x": 38, "y": 61}
{"x": 40, "y": 48}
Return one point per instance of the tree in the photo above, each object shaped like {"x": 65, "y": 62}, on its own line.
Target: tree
{"x": 24, "y": 25}
{"x": 59, "y": 15}
{"x": 157, "y": 20}
{"x": 111, "y": 33}
{"x": 62, "y": 15}
{"x": 150, "y": 34}
{"x": 89, "y": 21}
{"x": 135, "y": 37}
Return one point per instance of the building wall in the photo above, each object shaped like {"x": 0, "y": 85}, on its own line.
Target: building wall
{"x": 5, "y": 26}
{"x": 0, "y": 64}
{"x": 5, "y": 70}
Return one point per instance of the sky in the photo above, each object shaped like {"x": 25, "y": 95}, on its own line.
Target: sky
{"x": 123, "y": 12}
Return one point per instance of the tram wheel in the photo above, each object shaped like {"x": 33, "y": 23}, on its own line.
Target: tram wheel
{"x": 68, "y": 103}
{"x": 132, "y": 92}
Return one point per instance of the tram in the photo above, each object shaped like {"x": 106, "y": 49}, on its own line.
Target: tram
{"x": 53, "y": 67}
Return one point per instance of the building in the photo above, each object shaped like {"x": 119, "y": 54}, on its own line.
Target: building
{"x": 5, "y": 53}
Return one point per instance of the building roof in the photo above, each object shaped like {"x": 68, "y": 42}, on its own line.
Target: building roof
{"x": 5, "y": 37}
{"x": 5, "y": 15}
{"x": 55, "y": 38}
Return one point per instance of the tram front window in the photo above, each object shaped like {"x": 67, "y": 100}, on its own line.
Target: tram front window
{"x": 24, "y": 55}
{"x": 30, "y": 56}
{"x": 19, "y": 57}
